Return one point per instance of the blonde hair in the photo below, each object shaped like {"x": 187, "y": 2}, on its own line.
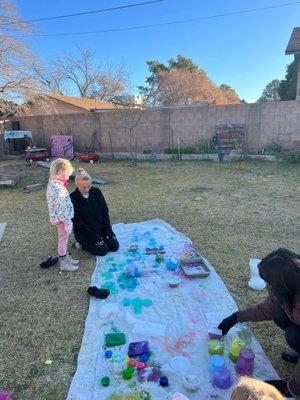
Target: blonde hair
{"x": 60, "y": 165}
{"x": 253, "y": 389}
{"x": 82, "y": 175}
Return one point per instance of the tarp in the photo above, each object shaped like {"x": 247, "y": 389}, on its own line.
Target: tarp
{"x": 174, "y": 321}
{"x": 17, "y": 134}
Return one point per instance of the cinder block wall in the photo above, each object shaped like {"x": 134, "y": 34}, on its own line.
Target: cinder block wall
{"x": 267, "y": 124}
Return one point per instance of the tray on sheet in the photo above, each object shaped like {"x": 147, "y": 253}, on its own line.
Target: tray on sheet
{"x": 194, "y": 265}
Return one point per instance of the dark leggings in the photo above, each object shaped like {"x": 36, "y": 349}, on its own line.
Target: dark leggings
{"x": 110, "y": 244}
{"x": 292, "y": 331}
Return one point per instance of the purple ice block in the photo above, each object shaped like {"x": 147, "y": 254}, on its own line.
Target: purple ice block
{"x": 221, "y": 378}
{"x": 215, "y": 333}
{"x": 155, "y": 374}
{"x": 4, "y": 396}
{"x": 136, "y": 349}
{"x": 141, "y": 375}
{"x": 245, "y": 362}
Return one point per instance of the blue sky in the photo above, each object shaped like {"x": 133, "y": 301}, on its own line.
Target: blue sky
{"x": 245, "y": 51}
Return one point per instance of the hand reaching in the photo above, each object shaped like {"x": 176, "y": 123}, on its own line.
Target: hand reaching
{"x": 228, "y": 323}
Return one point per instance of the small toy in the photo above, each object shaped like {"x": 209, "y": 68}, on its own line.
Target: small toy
{"x": 172, "y": 264}
{"x": 136, "y": 349}
{"x": 191, "y": 383}
{"x": 133, "y": 248}
{"x": 130, "y": 369}
{"x": 159, "y": 258}
{"x": 131, "y": 362}
{"x": 163, "y": 381}
{"x": 108, "y": 354}
{"x": 155, "y": 374}
{"x": 140, "y": 365}
{"x": 222, "y": 379}
{"x": 216, "y": 361}
{"x": 215, "y": 347}
{"x": 245, "y": 362}
{"x": 115, "y": 339}
{"x": 141, "y": 375}
{"x": 174, "y": 281}
{"x": 119, "y": 357}
{"x": 127, "y": 374}
{"x": 144, "y": 358}
{"x": 105, "y": 381}
{"x": 155, "y": 250}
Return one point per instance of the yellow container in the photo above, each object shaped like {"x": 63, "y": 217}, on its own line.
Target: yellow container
{"x": 215, "y": 347}
{"x": 235, "y": 348}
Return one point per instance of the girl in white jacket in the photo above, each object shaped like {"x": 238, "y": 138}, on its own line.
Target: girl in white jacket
{"x": 61, "y": 210}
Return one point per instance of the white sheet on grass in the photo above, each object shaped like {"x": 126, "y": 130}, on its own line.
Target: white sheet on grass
{"x": 176, "y": 324}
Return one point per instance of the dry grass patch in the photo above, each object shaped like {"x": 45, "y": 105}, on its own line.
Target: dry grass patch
{"x": 230, "y": 214}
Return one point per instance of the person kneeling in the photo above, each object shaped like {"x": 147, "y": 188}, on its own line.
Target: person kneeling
{"x": 281, "y": 272}
{"x": 92, "y": 228}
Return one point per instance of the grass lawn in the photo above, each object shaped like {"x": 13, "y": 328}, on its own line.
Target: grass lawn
{"x": 230, "y": 214}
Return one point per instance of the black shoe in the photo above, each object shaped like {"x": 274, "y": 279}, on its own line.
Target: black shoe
{"x": 281, "y": 386}
{"x": 290, "y": 355}
{"x": 99, "y": 293}
{"x": 49, "y": 262}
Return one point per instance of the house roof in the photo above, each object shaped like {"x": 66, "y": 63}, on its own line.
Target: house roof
{"x": 293, "y": 46}
{"x": 86, "y": 104}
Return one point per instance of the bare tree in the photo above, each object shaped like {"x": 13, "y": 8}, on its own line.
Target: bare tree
{"x": 50, "y": 75}
{"x": 17, "y": 79}
{"x": 111, "y": 83}
{"x": 79, "y": 73}
{"x": 16, "y": 75}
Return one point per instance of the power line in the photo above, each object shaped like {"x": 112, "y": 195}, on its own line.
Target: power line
{"x": 82, "y": 13}
{"x": 162, "y": 23}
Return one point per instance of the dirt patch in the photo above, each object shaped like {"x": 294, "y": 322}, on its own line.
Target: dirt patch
{"x": 24, "y": 173}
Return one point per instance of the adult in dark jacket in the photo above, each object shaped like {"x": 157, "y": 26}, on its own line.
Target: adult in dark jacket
{"x": 92, "y": 228}
{"x": 281, "y": 271}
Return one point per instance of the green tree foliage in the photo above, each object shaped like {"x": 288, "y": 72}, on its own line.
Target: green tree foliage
{"x": 270, "y": 92}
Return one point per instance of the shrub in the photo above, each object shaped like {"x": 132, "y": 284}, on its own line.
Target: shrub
{"x": 203, "y": 145}
{"x": 291, "y": 156}
{"x": 183, "y": 150}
